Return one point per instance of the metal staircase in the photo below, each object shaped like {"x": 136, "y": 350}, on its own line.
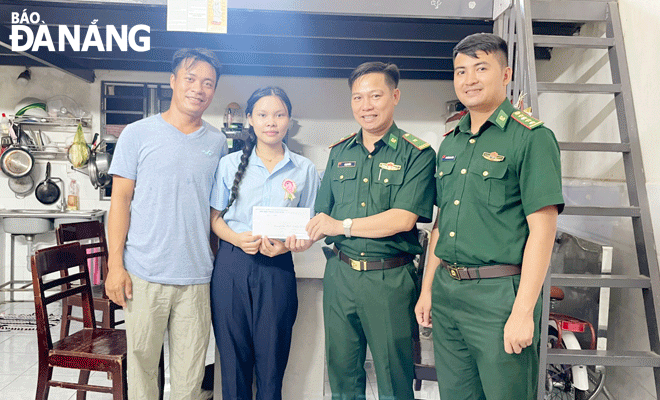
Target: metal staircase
{"x": 515, "y": 25}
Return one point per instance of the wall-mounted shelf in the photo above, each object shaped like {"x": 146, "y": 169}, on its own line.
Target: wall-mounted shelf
{"x": 50, "y": 155}
{"x": 50, "y": 150}
{"x": 86, "y": 122}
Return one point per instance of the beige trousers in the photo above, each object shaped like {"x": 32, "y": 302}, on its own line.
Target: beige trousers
{"x": 185, "y": 313}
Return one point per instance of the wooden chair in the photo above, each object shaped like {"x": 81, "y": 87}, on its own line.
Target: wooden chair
{"x": 95, "y": 247}
{"x": 90, "y": 349}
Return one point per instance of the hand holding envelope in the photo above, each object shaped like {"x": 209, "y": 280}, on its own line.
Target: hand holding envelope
{"x": 280, "y": 222}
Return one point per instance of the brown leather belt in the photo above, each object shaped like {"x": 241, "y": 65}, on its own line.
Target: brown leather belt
{"x": 460, "y": 272}
{"x": 364, "y": 265}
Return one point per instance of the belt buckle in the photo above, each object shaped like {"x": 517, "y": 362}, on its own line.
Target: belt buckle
{"x": 454, "y": 271}
{"x": 358, "y": 265}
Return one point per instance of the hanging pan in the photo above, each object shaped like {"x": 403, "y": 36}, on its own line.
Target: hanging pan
{"x": 47, "y": 192}
{"x": 16, "y": 161}
{"x": 21, "y": 186}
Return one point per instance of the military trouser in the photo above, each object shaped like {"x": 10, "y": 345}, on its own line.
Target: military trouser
{"x": 468, "y": 340}
{"x": 375, "y": 308}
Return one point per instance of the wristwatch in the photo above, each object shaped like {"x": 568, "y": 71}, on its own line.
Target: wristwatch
{"x": 347, "y": 224}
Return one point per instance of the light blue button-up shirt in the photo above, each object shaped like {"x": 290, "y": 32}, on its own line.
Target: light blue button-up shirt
{"x": 262, "y": 188}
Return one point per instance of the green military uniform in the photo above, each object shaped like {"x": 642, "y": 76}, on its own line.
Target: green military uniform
{"x": 487, "y": 184}
{"x": 374, "y": 307}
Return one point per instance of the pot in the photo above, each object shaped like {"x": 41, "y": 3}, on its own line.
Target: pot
{"x": 21, "y": 186}
{"x": 16, "y": 161}
{"x": 97, "y": 169}
{"x": 47, "y": 192}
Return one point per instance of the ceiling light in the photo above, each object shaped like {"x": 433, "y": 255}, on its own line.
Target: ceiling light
{"x": 24, "y": 77}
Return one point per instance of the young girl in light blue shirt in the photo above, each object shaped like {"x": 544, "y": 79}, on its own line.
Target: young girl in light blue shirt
{"x": 253, "y": 288}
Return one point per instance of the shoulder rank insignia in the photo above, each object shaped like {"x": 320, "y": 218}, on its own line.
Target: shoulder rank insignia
{"x": 345, "y": 138}
{"x": 415, "y": 141}
{"x": 526, "y": 120}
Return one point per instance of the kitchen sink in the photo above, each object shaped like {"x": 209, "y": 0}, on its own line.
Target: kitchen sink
{"x": 34, "y": 221}
{"x": 42, "y": 211}
{"x": 48, "y": 213}
{"x": 26, "y": 226}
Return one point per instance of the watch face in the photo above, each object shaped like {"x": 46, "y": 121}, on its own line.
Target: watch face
{"x": 347, "y": 222}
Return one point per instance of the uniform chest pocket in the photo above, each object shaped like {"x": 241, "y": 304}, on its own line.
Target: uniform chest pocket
{"x": 489, "y": 177}
{"x": 343, "y": 184}
{"x": 442, "y": 178}
{"x": 387, "y": 185}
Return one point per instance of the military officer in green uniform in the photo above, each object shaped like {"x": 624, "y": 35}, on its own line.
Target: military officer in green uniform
{"x": 378, "y": 183}
{"x": 499, "y": 192}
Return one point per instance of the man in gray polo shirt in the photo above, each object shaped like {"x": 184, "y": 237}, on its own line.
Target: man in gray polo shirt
{"x": 160, "y": 261}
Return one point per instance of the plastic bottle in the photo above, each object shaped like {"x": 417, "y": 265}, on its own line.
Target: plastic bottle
{"x": 73, "y": 199}
{"x": 4, "y": 125}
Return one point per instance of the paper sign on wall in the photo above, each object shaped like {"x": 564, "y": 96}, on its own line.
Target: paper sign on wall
{"x": 197, "y": 16}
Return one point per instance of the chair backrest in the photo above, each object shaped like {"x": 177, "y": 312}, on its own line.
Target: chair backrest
{"x": 95, "y": 246}
{"x": 423, "y": 235}
{"x": 59, "y": 259}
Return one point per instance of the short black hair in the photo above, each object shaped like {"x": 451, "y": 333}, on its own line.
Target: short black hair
{"x": 198, "y": 54}
{"x": 486, "y": 42}
{"x": 391, "y": 72}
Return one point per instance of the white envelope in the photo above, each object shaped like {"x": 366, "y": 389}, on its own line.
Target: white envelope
{"x": 280, "y": 222}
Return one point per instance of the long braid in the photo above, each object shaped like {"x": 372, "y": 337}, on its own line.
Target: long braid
{"x": 245, "y": 158}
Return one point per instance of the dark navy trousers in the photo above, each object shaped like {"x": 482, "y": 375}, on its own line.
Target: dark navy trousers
{"x": 254, "y": 304}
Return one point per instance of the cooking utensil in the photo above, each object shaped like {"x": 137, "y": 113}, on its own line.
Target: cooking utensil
{"x": 96, "y": 136}
{"x": 40, "y": 141}
{"x": 16, "y": 161}
{"x": 47, "y": 192}
{"x": 5, "y": 142}
{"x": 12, "y": 133}
{"x": 21, "y": 186}
{"x": 97, "y": 168}
{"x": 25, "y": 139}
{"x": 35, "y": 137}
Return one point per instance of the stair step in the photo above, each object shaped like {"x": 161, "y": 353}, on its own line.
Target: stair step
{"x": 604, "y": 357}
{"x": 602, "y": 211}
{"x": 591, "y": 88}
{"x": 425, "y": 372}
{"x": 573, "y": 41}
{"x": 612, "y": 281}
{"x": 569, "y": 11}
{"x": 594, "y": 146}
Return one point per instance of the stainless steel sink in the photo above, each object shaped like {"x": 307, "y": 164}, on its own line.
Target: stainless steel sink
{"x": 50, "y": 213}
{"x": 34, "y": 221}
{"x": 26, "y": 226}
{"x": 35, "y": 211}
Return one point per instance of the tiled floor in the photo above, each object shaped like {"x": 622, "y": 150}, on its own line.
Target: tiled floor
{"x": 18, "y": 361}
{"x": 18, "y": 364}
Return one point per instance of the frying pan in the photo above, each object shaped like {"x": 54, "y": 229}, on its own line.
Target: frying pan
{"x": 47, "y": 192}
{"x": 16, "y": 161}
